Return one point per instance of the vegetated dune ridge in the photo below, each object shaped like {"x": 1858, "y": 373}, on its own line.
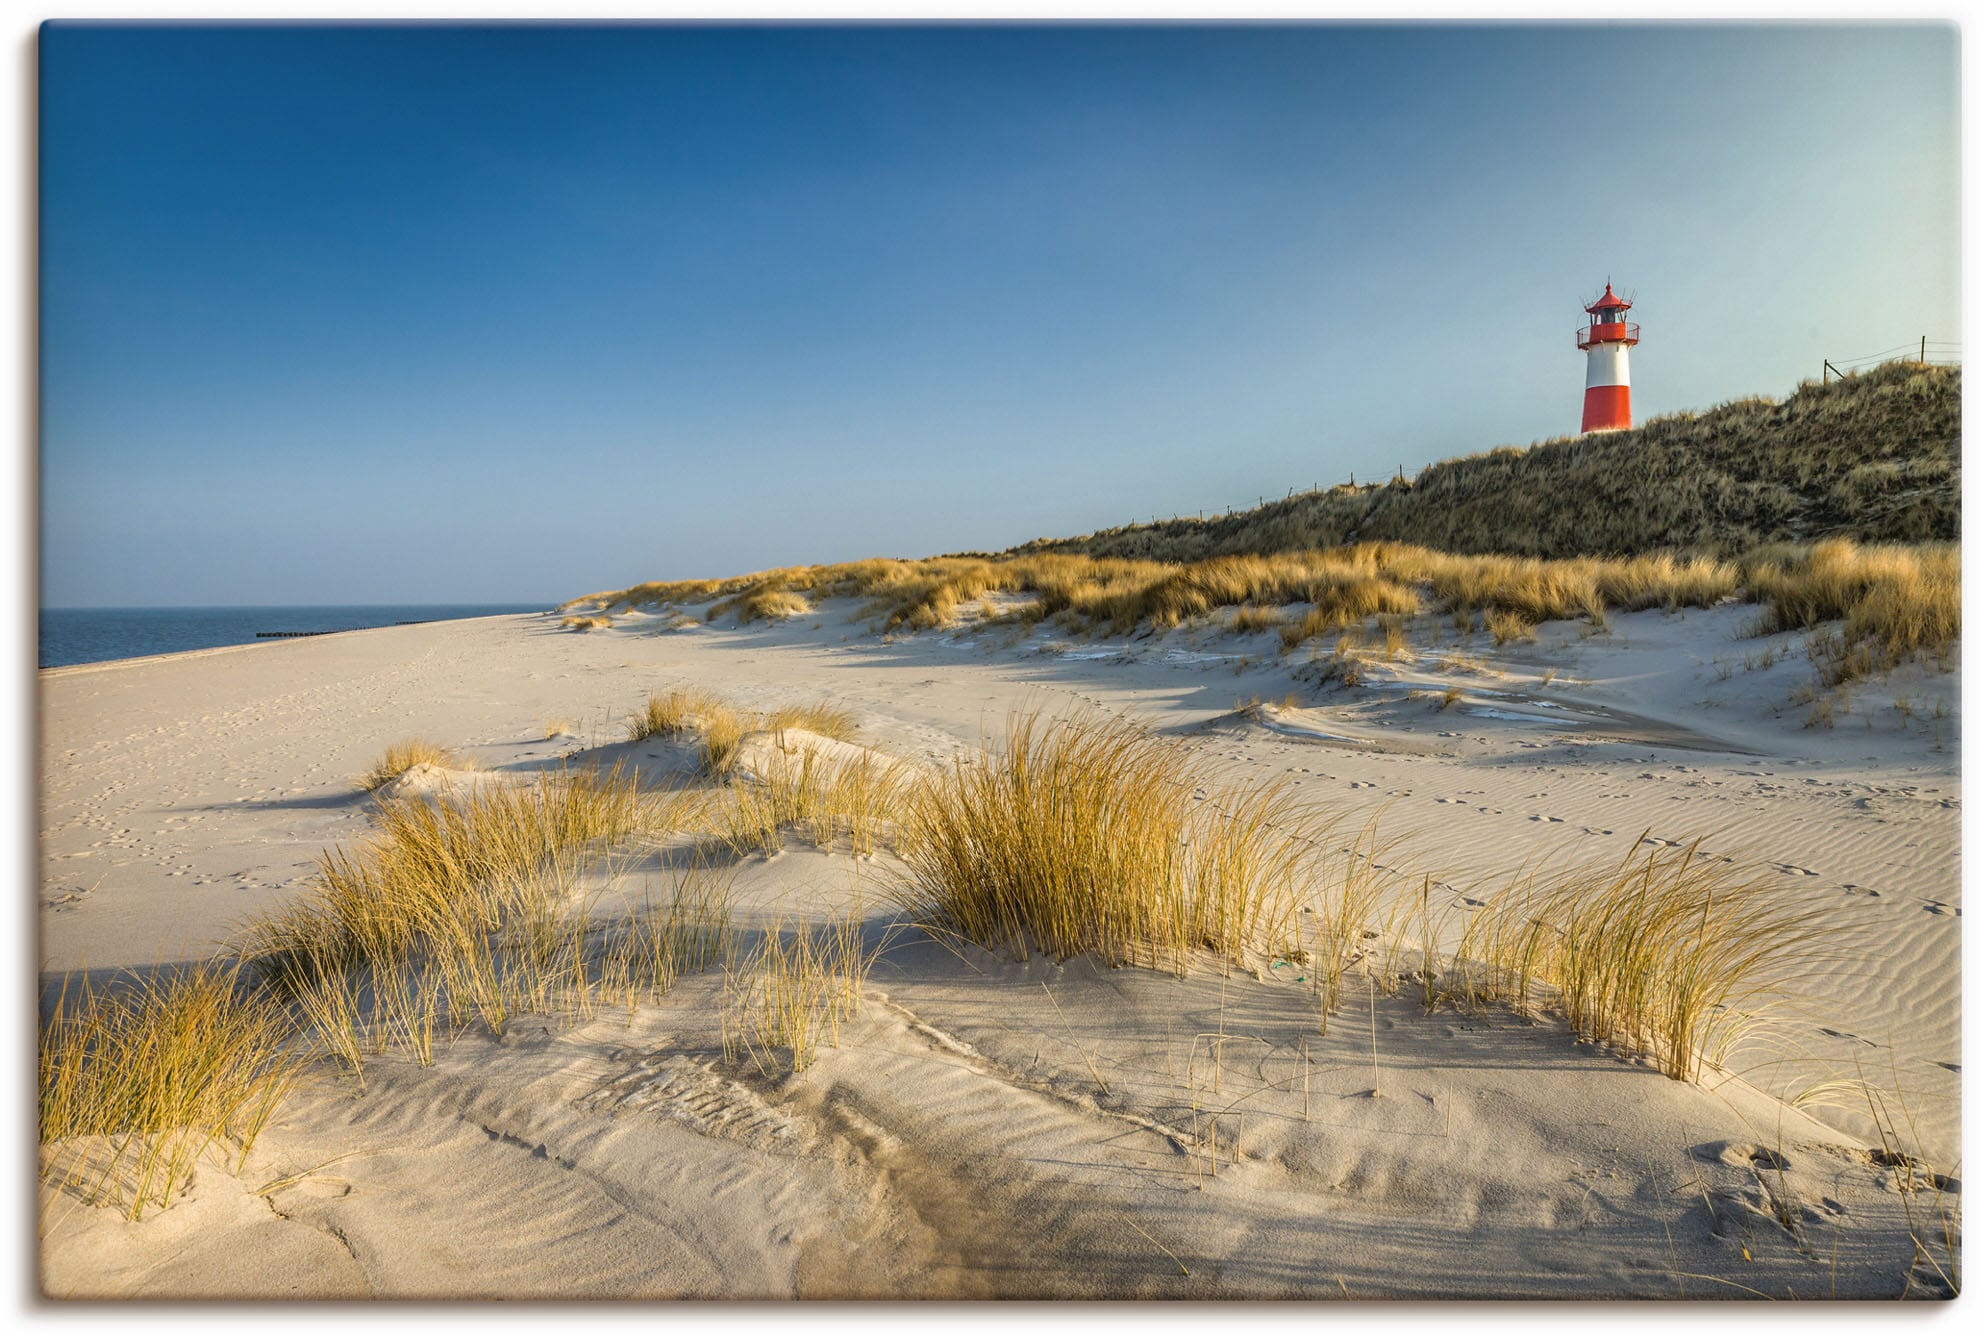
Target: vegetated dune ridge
{"x": 1874, "y": 457}
{"x": 973, "y": 1123}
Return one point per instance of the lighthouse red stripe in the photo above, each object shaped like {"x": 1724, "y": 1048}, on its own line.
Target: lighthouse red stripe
{"x": 1608, "y": 408}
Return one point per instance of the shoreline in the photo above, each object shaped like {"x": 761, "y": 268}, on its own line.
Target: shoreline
{"x": 145, "y": 660}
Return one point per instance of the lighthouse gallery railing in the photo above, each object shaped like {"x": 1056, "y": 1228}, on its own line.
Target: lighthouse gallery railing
{"x": 1623, "y": 333}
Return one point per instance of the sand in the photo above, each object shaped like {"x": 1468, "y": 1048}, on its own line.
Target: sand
{"x": 993, "y": 1127}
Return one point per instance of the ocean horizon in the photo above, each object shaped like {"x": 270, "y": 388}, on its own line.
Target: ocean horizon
{"x": 70, "y": 636}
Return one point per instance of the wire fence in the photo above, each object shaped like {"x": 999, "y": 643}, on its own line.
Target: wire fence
{"x": 1924, "y": 351}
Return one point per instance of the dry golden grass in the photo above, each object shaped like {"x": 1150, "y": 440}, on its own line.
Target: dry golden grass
{"x": 592, "y": 623}
{"x": 1248, "y": 619}
{"x": 476, "y": 907}
{"x": 824, "y": 800}
{"x": 1342, "y": 587}
{"x": 690, "y": 932}
{"x": 671, "y": 713}
{"x": 792, "y": 991}
{"x": 1667, "y": 954}
{"x": 139, "y": 1080}
{"x": 1506, "y": 626}
{"x": 439, "y": 877}
{"x": 402, "y": 757}
{"x": 1086, "y": 836}
{"x": 724, "y": 729}
{"x": 828, "y": 720}
{"x": 1896, "y": 602}
{"x": 1892, "y": 603}
{"x": 765, "y": 605}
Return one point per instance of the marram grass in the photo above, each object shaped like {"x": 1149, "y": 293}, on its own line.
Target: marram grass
{"x": 439, "y": 874}
{"x": 789, "y": 994}
{"x": 824, "y": 799}
{"x": 139, "y": 1079}
{"x": 1668, "y": 954}
{"x": 1093, "y": 836}
{"x": 1893, "y": 601}
{"x": 402, "y": 757}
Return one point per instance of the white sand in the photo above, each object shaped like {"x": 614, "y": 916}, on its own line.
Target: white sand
{"x": 992, "y": 1127}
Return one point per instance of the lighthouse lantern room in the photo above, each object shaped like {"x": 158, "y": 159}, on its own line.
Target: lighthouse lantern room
{"x": 1608, "y": 392}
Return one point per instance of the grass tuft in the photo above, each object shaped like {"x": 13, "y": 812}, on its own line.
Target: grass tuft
{"x": 1670, "y": 955}
{"x": 402, "y": 757}
{"x": 670, "y": 713}
{"x": 1100, "y": 837}
{"x": 792, "y": 991}
{"x": 139, "y": 1080}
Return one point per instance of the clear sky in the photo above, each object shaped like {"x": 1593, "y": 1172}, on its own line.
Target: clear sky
{"x": 412, "y": 314}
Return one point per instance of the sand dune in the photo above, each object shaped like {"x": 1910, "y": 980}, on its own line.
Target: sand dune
{"x": 995, "y": 1127}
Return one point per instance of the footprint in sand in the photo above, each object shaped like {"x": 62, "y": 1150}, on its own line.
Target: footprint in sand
{"x": 58, "y": 901}
{"x": 1841, "y": 1034}
{"x": 1556, "y": 819}
{"x": 1867, "y": 891}
{"x": 1793, "y": 870}
{"x": 1939, "y": 907}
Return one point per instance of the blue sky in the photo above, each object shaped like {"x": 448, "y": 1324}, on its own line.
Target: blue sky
{"x": 406, "y": 314}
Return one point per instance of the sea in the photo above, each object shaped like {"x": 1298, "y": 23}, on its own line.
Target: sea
{"x": 95, "y": 635}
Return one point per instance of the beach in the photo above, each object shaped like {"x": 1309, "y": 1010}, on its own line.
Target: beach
{"x": 988, "y": 1126}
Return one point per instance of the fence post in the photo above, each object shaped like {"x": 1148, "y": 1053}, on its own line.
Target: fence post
{"x": 1922, "y": 357}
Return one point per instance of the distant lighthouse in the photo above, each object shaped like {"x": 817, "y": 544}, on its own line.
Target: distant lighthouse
{"x": 1608, "y": 390}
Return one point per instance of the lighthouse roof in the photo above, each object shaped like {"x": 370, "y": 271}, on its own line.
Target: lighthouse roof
{"x": 1609, "y": 302}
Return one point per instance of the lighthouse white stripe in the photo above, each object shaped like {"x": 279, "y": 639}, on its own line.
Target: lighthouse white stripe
{"x": 1605, "y": 364}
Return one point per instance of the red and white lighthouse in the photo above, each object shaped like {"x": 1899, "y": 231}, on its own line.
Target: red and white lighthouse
{"x": 1608, "y": 389}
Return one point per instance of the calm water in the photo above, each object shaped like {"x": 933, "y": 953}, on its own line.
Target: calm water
{"x": 91, "y": 635}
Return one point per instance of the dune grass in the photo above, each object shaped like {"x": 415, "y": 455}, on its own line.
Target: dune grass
{"x": 1667, "y": 953}
{"x": 402, "y": 757}
{"x": 789, "y": 994}
{"x": 1895, "y": 602}
{"x": 1875, "y": 457}
{"x": 689, "y": 932}
{"x": 1684, "y": 511}
{"x": 478, "y": 907}
{"x": 721, "y": 727}
{"x": 670, "y": 714}
{"x": 596, "y": 622}
{"x": 138, "y": 1080}
{"x": 1892, "y": 603}
{"x": 822, "y": 717}
{"x": 439, "y": 876}
{"x": 1506, "y": 626}
{"x": 724, "y": 730}
{"x": 1089, "y": 836}
{"x": 824, "y": 800}
{"x": 1248, "y": 619}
